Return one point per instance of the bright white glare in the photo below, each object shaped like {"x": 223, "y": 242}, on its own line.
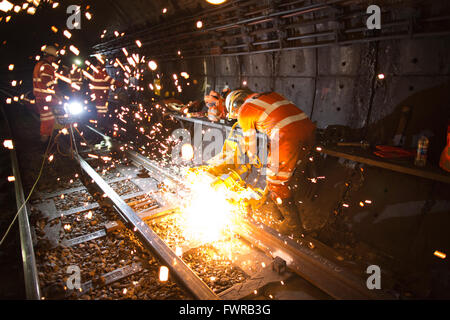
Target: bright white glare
{"x": 207, "y": 214}
{"x": 5, "y": 6}
{"x": 216, "y": 1}
{"x": 75, "y": 108}
{"x": 152, "y": 65}
{"x": 187, "y": 152}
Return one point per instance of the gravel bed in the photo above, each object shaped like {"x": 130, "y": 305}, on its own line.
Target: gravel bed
{"x": 72, "y": 200}
{"x": 86, "y": 222}
{"x": 109, "y": 173}
{"x": 169, "y": 230}
{"x": 97, "y": 257}
{"x": 210, "y": 263}
{"x": 124, "y": 187}
{"x": 214, "y": 269}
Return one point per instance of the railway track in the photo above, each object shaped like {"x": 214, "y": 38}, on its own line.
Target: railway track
{"x": 113, "y": 223}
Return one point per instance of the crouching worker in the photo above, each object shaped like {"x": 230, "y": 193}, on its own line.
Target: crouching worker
{"x": 291, "y": 135}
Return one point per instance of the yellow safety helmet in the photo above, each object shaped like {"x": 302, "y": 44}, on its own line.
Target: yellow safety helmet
{"x": 235, "y": 99}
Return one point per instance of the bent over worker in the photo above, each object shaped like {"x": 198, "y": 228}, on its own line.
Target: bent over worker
{"x": 44, "y": 82}
{"x": 291, "y": 134}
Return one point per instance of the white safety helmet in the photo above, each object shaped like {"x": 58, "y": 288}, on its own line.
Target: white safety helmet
{"x": 50, "y": 50}
{"x": 235, "y": 99}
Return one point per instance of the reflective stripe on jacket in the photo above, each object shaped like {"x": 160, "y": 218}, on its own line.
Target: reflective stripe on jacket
{"x": 44, "y": 80}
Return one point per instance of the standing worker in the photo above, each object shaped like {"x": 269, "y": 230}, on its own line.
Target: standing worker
{"x": 44, "y": 82}
{"x": 291, "y": 134}
{"x": 100, "y": 85}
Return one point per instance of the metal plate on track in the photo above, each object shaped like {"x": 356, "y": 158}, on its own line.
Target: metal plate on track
{"x": 113, "y": 276}
{"x": 84, "y": 238}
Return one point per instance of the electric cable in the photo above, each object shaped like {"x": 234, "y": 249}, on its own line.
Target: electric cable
{"x": 30, "y": 193}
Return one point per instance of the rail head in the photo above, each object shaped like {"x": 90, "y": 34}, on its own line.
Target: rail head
{"x": 150, "y": 239}
{"x": 31, "y": 279}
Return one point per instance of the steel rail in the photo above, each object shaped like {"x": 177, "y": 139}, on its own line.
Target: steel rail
{"x": 322, "y": 272}
{"x": 32, "y": 288}
{"x": 310, "y": 264}
{"x": 333, "y": 279}
{"x": 150, "y": 239}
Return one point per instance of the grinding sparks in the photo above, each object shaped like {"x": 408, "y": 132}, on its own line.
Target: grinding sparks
{"x": 187, "y": 152}
{"x": 200, "y": 222}
{"x": 67, "y": 34}
{"x": 8, "y": 144}
{"x": 440, "y": 254}
{"x": 74, "y": 50}
{"x": 152, "y": 65}
{"x": 163, "y": 274}
{"x": 6, "y": 6}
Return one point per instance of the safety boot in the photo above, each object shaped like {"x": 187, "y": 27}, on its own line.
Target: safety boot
{"x": 291, "y": 224}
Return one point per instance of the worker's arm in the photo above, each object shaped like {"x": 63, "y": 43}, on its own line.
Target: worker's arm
{"x": 248, "y": 125}
{"x": 48, "y": 78}
{"x": 117, "y": 83}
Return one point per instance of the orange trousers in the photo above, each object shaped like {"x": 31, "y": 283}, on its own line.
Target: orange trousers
{"x": 287, "y": 154}
{"x": 46, "y": 116}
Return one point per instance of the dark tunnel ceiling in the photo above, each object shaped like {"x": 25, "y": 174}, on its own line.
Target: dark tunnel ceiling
{"x": 123, "y": 15}
{"x": 23, "y": 36}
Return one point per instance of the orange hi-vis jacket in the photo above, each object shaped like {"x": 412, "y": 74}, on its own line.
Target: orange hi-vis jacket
{"x": 291, "y": 134}
{"x": 216, "y": 106}
{"x": 100, "y": 86}
{"x": 444, "y": 162}
{"x": 77, "y": 80}
{"x": 44, "y": 81}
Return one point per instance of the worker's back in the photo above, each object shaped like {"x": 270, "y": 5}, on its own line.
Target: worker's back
{"x": 43, "y": 79}
{"x": 267, "y": 112}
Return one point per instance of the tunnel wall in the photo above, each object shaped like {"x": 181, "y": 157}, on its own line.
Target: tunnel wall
{"x": 337, "y": 85}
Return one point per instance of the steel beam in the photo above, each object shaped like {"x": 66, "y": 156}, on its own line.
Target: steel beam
{"x": 150, "y": 239}
{"x": 32, "y": 288}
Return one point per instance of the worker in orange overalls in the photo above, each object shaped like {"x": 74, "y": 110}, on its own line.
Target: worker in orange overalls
{"x": 100, "y": 86}
{"x": 291, "y": 134}
{"x": 44, "y": 82}
{"x": 216, "y": 105}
